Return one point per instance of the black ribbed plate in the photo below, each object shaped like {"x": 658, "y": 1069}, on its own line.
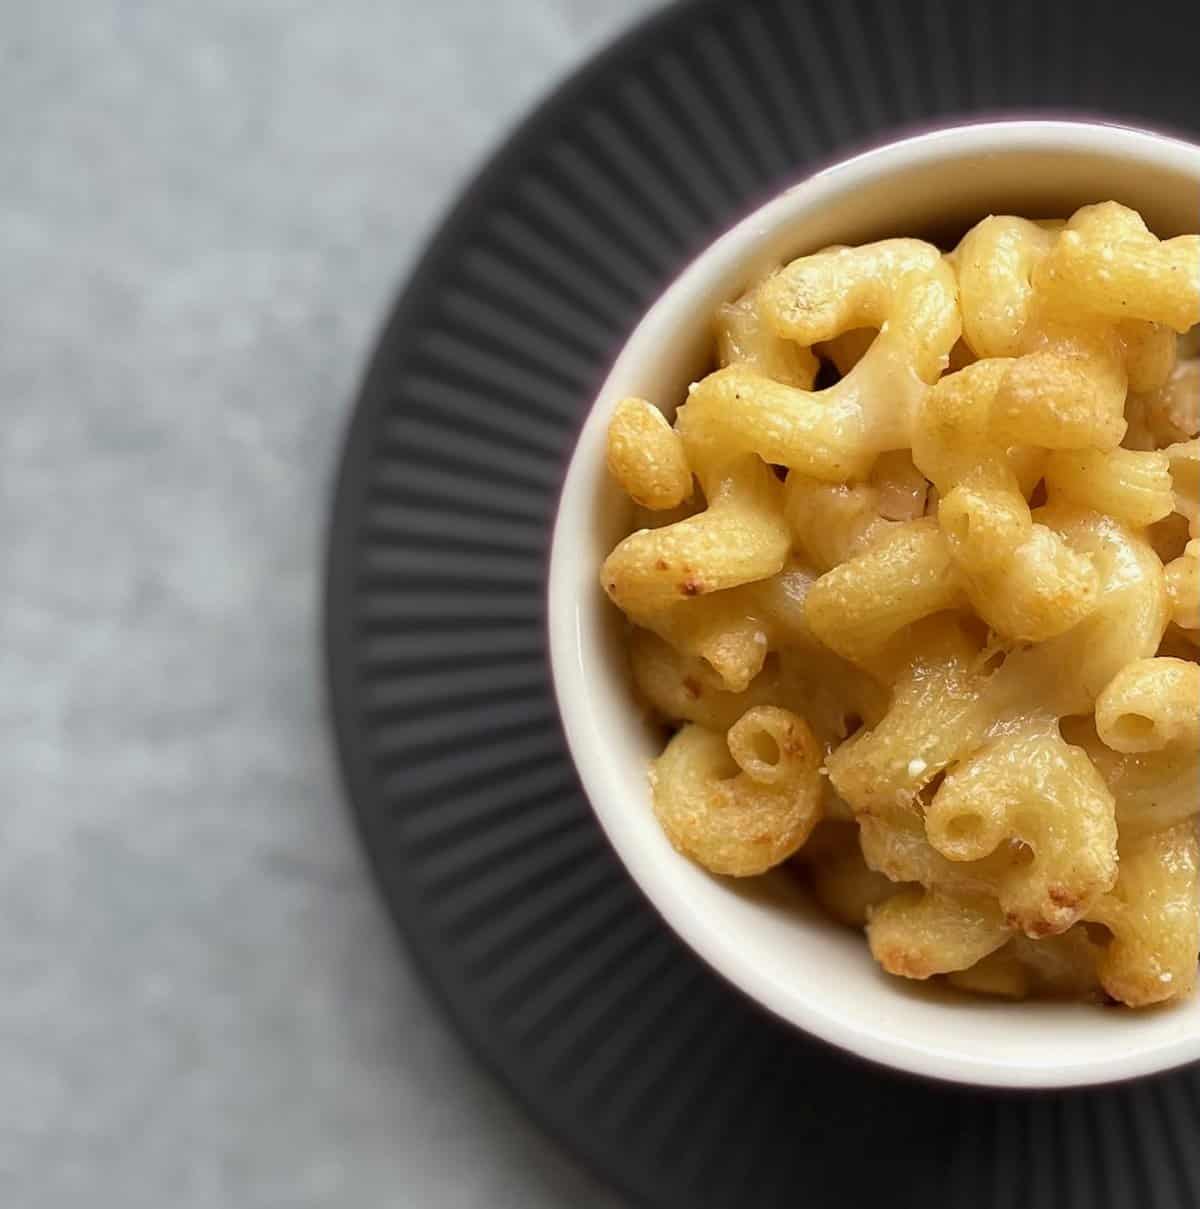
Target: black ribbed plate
{"x": 564, "y": 980}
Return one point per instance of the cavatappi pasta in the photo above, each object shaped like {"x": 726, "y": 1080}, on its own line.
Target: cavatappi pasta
{"x": 931, "y": 633}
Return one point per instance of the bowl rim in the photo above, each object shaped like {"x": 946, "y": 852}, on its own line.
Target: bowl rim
{"x": 892, "y": 1050}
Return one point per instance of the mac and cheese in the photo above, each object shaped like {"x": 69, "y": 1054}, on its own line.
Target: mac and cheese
{"x": 931, "y": 633}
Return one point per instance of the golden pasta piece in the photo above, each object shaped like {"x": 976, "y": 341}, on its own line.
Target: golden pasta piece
{"x": 1153, "y": 913}
{"x": 902, "y": 287}
{"x": 1150, "y": 705}
{"x": 740, "y": 537}
{"x": 952, "y": 436}
{"x": 1035, "y": 790}
{"x": 1066, "y": 392}
{"x": 937, "y": 712}
{"x": 1183, "y": 587}
{"x": 995, "y": 262}
{"x": 987, "y": 526}
{"x": 744, "y": 339}
{"x": 1134, "y": 487}
{"x": 1066, "y": 674}
{"x": 742, "y": 818}
{"x": 919, "y": 932}
{"x": 1153, "y": 790}
{"x": 827, "y": 436}
{"x": 1107, "y": 262}
{"x": 1184, "y": 459}
{"x": 1021, "y": 578}
{"x": 772, "y": 746}
{"x": 904, "y": 575}
{"x": 687, "y": 688}
{"x": 684, "y": 580}
{"x": 645, "y": 455}
{"x": 727, "y": 630}
{"x": 1151, "y": 352}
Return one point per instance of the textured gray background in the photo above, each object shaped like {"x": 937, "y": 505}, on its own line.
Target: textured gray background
{"x": 206, "y": 208}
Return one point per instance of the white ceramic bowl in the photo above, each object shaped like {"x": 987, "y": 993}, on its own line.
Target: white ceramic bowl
{"x": 763, "y": 935}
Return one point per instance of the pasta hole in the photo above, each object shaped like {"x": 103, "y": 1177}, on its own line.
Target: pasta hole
{"x": 761, "y": 745}
{"x": 1038, "y": 496}
{"x": 1134, "y": 728}
{"x": 765, "y": 748}
{"x": 851, "y": 725}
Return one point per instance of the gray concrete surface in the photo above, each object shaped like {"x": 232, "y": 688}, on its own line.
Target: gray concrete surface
{"x": 205, "y": 209}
